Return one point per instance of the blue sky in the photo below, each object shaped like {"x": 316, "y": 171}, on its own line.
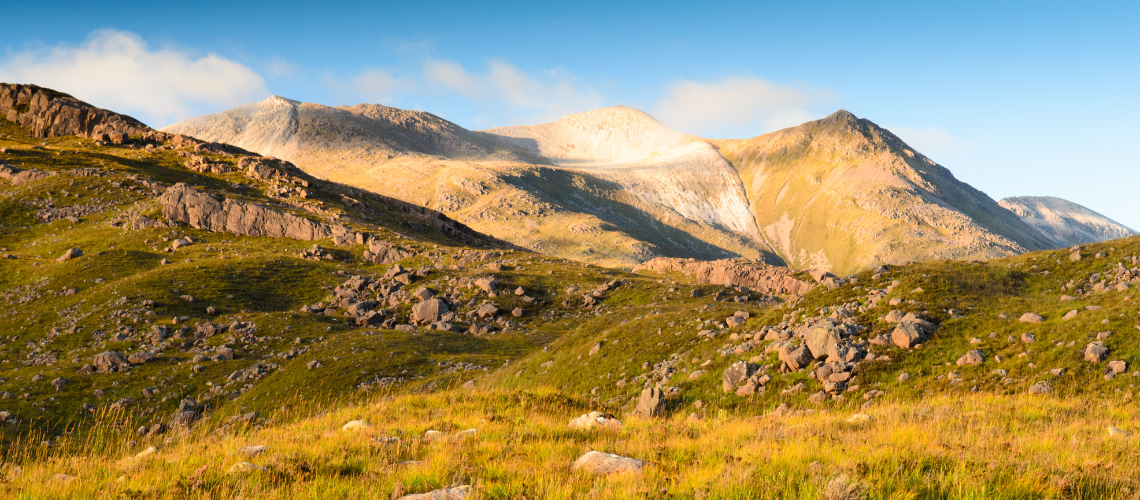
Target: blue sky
{"x": 1016, "y": 98}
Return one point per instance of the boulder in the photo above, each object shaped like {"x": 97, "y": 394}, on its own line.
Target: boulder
{"x": 110, "y": 361}
{"x": 487, "y": 310}
{"x": 1030, "y": 318}
{"x": 1118, "y": 367}
{"x": 429, "y": 311}
{"x": 1095, "y": 352}
{"x": 71, "y": 253}
{"x": 650, "y": 404}
{"x": 487, "y": 284}
{"x": 736, "y": 374}
{"x": 893, "y": 317}
{"x": 141, "y": 357}
{"x": 355, "y": 424}
{"x": 456, "y": 493}
{"x": 819, "y": 339}
{"x": 595, "y": 419}
{"x": 972, "y": 357}
{"x": 604, "y": 464}
{"x": 1041, "y": 388}
{"x": 795, "y": 358}
{"x": 907, "y": 335}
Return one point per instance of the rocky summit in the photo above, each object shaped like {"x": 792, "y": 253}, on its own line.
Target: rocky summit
{"x": 181, "y": 317}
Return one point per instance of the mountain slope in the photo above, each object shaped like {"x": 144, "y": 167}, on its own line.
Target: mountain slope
{"x": 612, "y": 186}
{"x": 843, "y": 194}
{"x": 1065, "y": 223}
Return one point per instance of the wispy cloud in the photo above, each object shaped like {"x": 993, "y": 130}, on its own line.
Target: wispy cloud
{"x": 936, "y": 143}
{"x": 738, "y": 106}
{"x": 119, "y": 71}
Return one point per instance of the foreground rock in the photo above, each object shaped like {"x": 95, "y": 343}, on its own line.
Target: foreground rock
{"x": 456, "y": 493}
{"x": 651, "y": 404}
{"x": 185, "y": 204}
{"x": 47, "y": 113}
{"x": 595, "y": 419}
{"x": 604, "y": 464}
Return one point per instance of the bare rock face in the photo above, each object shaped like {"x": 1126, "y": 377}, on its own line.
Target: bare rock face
{"x": 380, "y": 252}
{"x": 754, "y": 275}
{"x": 182, "y": 203}
{"x": 47, "y": 113}
{"x": 18, "y": 177}
{"x": 603, "y": 464}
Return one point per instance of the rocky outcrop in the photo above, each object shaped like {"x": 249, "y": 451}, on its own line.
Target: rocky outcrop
{"x": 17, "y": 176}
{"x": 739, "y": 272}
{"x": 47, "y": 113}
{"x": 181, "y": 203}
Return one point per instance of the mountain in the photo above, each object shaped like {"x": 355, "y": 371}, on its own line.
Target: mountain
{"x": 611, "y": 186}
{"x": 1065, "y": 223}
{"x": 843, "y": 193}
{"x": 616, "y": 187}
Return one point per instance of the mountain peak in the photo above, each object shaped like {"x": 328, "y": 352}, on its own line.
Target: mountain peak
{"x": 279, "y": 101}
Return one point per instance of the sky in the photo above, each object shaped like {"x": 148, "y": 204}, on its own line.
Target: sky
{"x": 1015, "y": 98}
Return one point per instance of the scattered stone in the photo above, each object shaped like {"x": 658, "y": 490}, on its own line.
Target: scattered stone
{"x": 1030, "y": 318}
{"x": 1028, "y": 338}
{"x": 595, "y": 419}
{"x": 817, "y": 398}
{"x": 650, "y": 404}
{"x": 1118, "y": 367}
{"x": 603, "y": 464}
{"x": 859, "y": 418}
{"x": 1069, "y": 315}
{"x": 456, "y": 493}
{"x": 245, "y": 468}
{"x": 355, "y": 424}
{"x": 71, "y": 253}
{"x": 1041, "y": 388}
{"x": 469, "y": 385}
{"x": 972, "y": 357}
{"x": 110, "y": 361}
{"x": 1095, "y": 352}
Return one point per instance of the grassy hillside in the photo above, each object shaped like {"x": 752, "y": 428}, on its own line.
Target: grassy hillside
{"x": 932, "y": 428}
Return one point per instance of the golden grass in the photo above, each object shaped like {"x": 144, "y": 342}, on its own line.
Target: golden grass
{"x": 980, "y": 446}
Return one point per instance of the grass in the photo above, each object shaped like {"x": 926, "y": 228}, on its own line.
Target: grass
{"x": 981, "y": 446}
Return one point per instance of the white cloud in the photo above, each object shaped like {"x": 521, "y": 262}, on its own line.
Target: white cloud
{"x": 380, "y": 86}
{"x": 518, "y": 97}
{"x": 741, "y": 106}
{"x": 451, "y": 76}
{"x": 281, "y": 68}
{"x": 118, "y": 71}
{"x": 934, "y": 142}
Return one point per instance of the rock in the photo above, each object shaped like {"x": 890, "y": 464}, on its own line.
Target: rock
{"x": 734, "y": 321}
{"x": 594, "y": 350}
{"x": 182, "y": 203}
{"x": 1028, "y": 338}
{"x": 110, "y": 361}
{"x": 907, "y": 335}
{"x": 71, "y": 253}
{"x": 469, "y": 385}
{"x": 314, "y": 364}
{"x": 1069, "y": 315}
{"x": 972, "y": 357}
{"x": 736, "y": 374}
{"x": 595, "y": 419}
{"x": 423, "y": 293}
{"x": 903, "y": 377}
{"x": 818, "y": 397}
{"x": 795, "y": 358}
{"x": 1075, "y": 256}
{"x": 252, "y": 451}
{"x": 142, "y": 357}
{"x": 355, "y": 424}
{"x": 429, "y": 311}
{"x": 58, "y": 383}
{"x": 47, "y": 113}
{"x": 1118, "y": 367}
{"x": 893, "y": 317}
{"x": 858, "y": 418}
{"x": 819, "y": 340}
{"x": 1095, "y": 352}
{"x": 456, "y": 493}
{"x": 1041, "y": 388}
{"x": 245, "y": 468}
{"x": 520, "y": 292}
{"x": 517, "y": 312}
{"x": 759, "y": 277}
{"x": 1030, "y": 318}
{"x": 487, "y": 310}
{"x": 650, "y": 404}
{"x": 487, "y": 284}
{"x": 1117, "y": 432}
{"x": 604, "y": 464}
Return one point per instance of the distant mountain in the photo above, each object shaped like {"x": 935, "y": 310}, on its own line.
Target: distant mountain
{"x": 1065, "y": 223}
{"x": 616, "y": 187}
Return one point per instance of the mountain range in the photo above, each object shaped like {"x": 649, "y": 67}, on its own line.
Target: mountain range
{"x": 616, "y": 187}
